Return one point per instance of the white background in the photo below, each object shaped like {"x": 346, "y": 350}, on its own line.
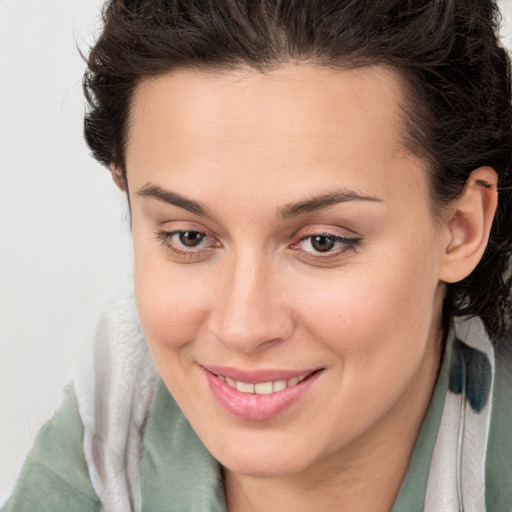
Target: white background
{"x": 64, "y": 237}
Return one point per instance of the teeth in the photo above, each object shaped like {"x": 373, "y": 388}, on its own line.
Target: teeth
{"x": 262, "y": 388}
{"x": 293, "y": 382}
{"x": 279, "y": 385}
{"x": 244, "y": 387}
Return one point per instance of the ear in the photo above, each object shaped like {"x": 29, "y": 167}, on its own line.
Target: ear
{"x": 467, "y": 225}
{"x": 118, "y": 177}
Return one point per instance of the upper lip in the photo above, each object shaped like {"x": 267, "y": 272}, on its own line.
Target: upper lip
{"x": 257, "y": 376}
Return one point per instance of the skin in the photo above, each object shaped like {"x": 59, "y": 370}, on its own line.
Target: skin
{"x": 256, "y": 294}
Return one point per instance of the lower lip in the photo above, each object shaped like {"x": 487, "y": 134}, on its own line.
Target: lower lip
{"x": 255, "y": 407}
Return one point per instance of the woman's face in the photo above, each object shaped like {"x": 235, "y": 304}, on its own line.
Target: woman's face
{"x": 281, "y": 231}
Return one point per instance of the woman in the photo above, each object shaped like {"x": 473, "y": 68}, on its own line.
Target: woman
{"x": 322, "y": 263}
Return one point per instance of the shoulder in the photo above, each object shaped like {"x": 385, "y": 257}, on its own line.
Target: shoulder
{"x": 478, "y": 421}
{"x": 499, "y": 453}
{"x": 57, "y": 463}
{"x": 90, "y": 450}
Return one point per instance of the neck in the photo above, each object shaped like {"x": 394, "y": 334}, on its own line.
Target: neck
{"x": 363, "y": 476}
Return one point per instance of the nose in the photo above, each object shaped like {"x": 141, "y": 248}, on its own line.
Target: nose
{"x": 251, "y": 310}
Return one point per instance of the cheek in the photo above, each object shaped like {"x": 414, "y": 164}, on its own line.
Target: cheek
{"x": 370, "y": 310}
{"x": 171, "y": 304}
{"x": 376, "y": 323}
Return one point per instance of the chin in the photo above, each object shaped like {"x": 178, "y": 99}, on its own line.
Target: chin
{"x": 265, "y": 468}
{"x": 270, "y": 460}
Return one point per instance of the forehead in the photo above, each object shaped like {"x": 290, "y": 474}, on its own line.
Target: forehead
{"x": 290, "y": 100}
{"x": 293, "y": 125}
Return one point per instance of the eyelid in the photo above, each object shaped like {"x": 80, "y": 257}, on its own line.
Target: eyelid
{"x": 349, "y": 243}
{"x": 326, "y": 230}
{"x": 165, "y": 236}
{"x": 327, "y": 234}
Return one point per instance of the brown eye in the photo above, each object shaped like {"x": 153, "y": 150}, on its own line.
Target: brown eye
{"x": 191, "y": 238}
{"x": 188, "y": 243}
{"x": 326, "y": 245}
{"x": 322, "y": 243}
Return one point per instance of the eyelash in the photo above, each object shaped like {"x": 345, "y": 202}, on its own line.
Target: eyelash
{"x": 347, "y": 244}
{"x": 165, "y": 237}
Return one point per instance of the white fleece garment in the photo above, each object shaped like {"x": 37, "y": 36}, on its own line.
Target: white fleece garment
{"x": 457, "y": 472}
{"x": 115, "y": 386}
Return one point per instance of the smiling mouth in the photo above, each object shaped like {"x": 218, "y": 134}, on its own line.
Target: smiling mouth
{"x": 264, "y": 388}
{"x": 259, "y": 395}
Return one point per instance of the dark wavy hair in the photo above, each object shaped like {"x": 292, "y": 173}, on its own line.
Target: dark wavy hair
{"x": 456, "y": 76}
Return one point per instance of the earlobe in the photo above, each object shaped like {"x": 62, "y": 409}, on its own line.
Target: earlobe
{"x": 468, "y": 225}
{"x": 117, "y": 177}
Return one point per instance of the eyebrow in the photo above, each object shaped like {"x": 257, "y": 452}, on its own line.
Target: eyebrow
{"x": 342, "y": 195}
{"x": 290, "y": 210}
{"x": 174, "y": 199}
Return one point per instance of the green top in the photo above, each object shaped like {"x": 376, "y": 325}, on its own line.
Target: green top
{"x": 179, "y": 474}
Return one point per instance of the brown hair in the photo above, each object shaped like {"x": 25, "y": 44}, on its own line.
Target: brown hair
{"x": 456, "y": 73}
